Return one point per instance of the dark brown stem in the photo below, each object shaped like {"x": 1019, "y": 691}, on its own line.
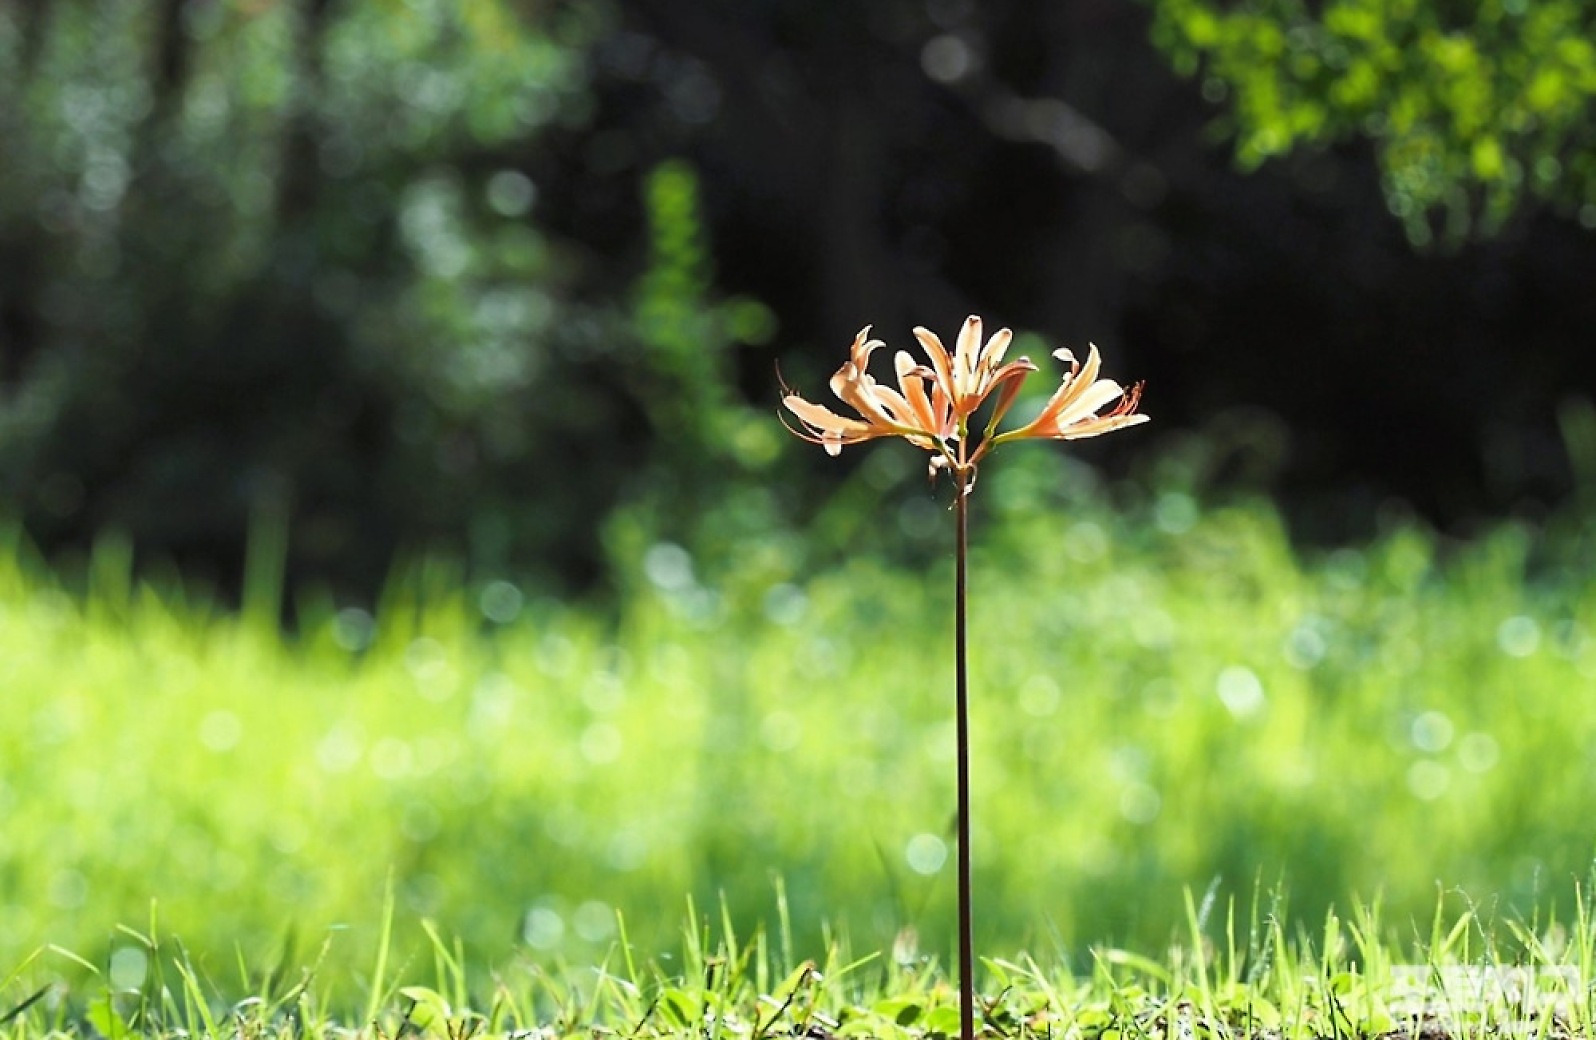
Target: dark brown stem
{"x": 966, "y": 941}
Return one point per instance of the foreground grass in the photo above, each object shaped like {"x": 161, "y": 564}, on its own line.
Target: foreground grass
{"x": 1162, "y": 695}
{"x": 1232, "y": 976}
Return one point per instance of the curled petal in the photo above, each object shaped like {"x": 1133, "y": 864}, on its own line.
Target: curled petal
{"x": 1079, "y": 379}
{"x": 854, "y": 387}
{"x": 883, "y": 411}
{"x": 823, "y": 426}
{"x": 863, "y": 347}
{"x": 820, "y": 425}
{"x": 821, "y": 417}
{"x": 1071, "y": 413}
{"x": 899, "y": 407}
{"x": 911, "y": 380}
{"x": 940, "y": 363}
{"x": 1006, "y": 383}
{"x": 992, "y": 353}
{"x": 1069, "y": 390}
{"x": 1088, "y": 401}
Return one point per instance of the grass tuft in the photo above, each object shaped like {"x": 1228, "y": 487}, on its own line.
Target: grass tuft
{"x": 1358, "y": 981}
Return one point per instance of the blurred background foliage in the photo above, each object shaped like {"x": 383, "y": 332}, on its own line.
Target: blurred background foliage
{"x": 483, "y": 278}
{"x": 1163, "y": 697}
{"x": 1473, "y": 106}
{"x": 272, "y": 264}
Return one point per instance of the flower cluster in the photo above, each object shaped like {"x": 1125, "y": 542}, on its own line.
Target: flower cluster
{"x": 932, "y": 405}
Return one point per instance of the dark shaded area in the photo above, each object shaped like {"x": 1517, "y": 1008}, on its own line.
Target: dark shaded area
{"x": 1068, "y": 183}
{"x": 453, "y": 337}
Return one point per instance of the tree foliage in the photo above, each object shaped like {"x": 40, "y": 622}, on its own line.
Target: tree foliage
{"x": 291, "y": 260}
{"x": 1474, "y": 108}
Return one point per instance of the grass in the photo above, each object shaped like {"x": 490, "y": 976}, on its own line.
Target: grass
{"x": 1233, "y": 974}
{"x": 1163, "y": 696}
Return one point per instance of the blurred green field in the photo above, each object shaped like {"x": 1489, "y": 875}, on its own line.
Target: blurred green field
{"x": 1163, "y": 695}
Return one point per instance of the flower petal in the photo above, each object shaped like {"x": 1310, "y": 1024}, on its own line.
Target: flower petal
{"x": 1103, "y": 424}
{"x": 1088, "y": 401}
{"x": 911, "y": 379}
{"x": 863, "y": 345}
{"x": 965, "y": 357}
{"x": 893, "y": 403}
{"x": 864, "y": 395}
{"x": 820, "y": 417}
{"x": 992, "y": 353}
{"x": 1073, "y": 386}
{"x": 939, "y": 359}
{"x": 1006, "y": 383}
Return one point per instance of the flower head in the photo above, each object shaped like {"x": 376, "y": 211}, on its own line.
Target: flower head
{"x": 932, "y": 406}
{"x": 884, "y": 412}
{"x": 1073, "y": 410}
{"x": 974, "y": 371}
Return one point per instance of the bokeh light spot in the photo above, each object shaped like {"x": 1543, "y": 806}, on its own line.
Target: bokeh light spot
{"x": 926, "y": 853}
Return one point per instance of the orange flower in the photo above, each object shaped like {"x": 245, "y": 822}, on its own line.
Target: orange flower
{"x": 974, "y": 371}
{"x": 907, "y": 412}
{"x": 1072, "y": 412}
{"x": 931, "y": 407}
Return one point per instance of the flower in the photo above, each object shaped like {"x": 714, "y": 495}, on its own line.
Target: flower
{"x": 907, "y": 412}
{"x": 932, "y": 406}
{"x": 1072, "y": 412}
{"x": 973, "y": 372}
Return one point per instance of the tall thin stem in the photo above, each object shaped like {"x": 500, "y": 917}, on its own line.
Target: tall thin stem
{"x": 966, "y": 941}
